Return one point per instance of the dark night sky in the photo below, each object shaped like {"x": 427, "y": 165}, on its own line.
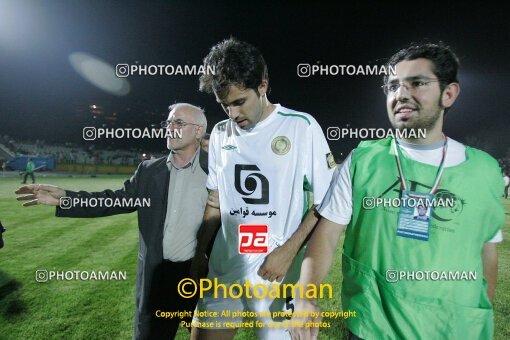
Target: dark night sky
{"x": 40, "y": 91}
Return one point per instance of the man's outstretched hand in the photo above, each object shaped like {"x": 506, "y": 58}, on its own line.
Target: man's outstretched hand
{"x": 40, "y": 194}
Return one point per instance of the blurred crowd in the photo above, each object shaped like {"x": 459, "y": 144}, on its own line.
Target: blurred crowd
{"x": 70, "y": 153}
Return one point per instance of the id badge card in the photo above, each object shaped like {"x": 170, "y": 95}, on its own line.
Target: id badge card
{"x": 415, "y": 215}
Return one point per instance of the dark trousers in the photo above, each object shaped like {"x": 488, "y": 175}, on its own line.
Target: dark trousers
{"x": 31, "y": 174}
{"x": 168, "y": 300}
{"x": 506, "y": 191}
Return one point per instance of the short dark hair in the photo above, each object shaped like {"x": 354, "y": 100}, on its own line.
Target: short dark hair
{"x": 235, "y": 63}
{"x": 445, "y": 62}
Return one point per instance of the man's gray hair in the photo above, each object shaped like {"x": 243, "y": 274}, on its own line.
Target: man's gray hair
{"x": 199, "y": 116}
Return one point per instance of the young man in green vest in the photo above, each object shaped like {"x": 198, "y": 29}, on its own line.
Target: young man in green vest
{"x": 406, "y": 277}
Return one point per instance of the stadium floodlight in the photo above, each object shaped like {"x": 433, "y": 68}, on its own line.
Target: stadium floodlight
{"x": 99, "y": 73}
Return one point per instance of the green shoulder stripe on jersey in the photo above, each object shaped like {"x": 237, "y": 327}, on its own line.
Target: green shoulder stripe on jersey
{"x": 307, "y": 186}
{"x": 295, "y": 115}
{"x": 308, "y": 196}
{"x": 221, "y": 126}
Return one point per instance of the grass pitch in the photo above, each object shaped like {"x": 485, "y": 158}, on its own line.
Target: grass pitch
{"x": 37, "y": 240}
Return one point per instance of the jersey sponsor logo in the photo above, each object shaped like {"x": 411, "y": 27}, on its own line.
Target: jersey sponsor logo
{"x": 280, "y": 145}
{"x": 253, "y": 238}
{"x": 229, "y": 147}
{"x": 253, "y": 184}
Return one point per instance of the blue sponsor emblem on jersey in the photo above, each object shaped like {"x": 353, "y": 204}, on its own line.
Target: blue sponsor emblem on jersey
{"x": 229, "y": 147}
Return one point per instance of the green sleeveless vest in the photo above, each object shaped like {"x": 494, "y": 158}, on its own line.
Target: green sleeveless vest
{"x": 412, "y": 309}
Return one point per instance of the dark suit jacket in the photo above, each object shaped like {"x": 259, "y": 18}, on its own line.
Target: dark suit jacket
{"x": 149, "y": 181}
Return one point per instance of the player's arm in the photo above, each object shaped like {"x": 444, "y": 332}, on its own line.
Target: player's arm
{"x": 318, "y": 259}
{"x": 210, "y": 224}
{"x": 279, "y": 260}
{"x": 320, "y": 252}
{"x": 490, "y": 267}
{"x": 489, "y": 250}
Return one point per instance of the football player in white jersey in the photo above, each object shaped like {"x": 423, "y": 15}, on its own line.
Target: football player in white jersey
{"x": 263, "y": 163}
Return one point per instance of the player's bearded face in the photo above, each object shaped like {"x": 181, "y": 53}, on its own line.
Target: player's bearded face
{"x": 243, "y": 106}
{"x": 416, "y": 107}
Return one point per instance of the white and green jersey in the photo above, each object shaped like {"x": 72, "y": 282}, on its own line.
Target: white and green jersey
{"x": 263, "y": 176}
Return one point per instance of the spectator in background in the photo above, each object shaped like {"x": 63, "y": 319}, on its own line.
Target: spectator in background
{"x": 29, "y": 171}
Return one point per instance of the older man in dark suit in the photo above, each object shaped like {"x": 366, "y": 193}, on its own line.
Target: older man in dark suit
{"x": 175, "y": 188}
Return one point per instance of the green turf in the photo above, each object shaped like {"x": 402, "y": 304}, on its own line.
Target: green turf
{"x": 36, "y": 240}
